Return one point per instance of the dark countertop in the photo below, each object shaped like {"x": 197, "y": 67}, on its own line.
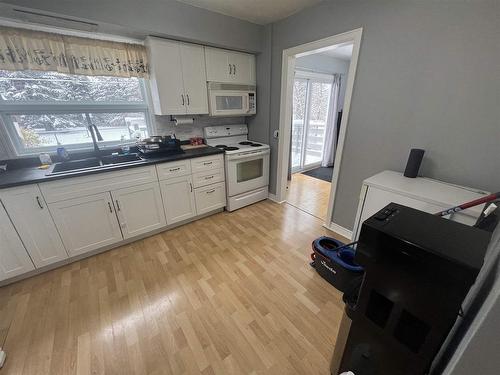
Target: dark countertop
{"x": 33, "y": 175}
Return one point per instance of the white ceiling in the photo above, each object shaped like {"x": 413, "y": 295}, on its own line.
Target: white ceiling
{"x": 343, "y": 52}
{"x": 257, "y": 11}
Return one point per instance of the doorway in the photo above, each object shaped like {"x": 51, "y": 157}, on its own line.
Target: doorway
{"x": 306, "y": 142}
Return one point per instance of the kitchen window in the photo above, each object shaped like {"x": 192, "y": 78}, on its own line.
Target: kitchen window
{"x": 40, "y": 111}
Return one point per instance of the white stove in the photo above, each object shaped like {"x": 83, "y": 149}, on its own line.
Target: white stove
{"x": 246, "y": 164}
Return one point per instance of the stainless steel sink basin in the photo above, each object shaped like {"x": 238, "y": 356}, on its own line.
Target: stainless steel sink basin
{"x": 117, "y": 159}
{"x": 72, "y": 165}
{"x": 107, "y": 161}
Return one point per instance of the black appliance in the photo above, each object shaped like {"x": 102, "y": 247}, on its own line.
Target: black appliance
{"x": 159, "y": 145}
{"x": 418, "y": 269}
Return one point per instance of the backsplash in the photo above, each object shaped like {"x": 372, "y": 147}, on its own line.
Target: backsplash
{"x": 164, "y": 126}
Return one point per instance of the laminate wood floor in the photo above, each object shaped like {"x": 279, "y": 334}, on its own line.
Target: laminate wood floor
{"x": 230, "y": 294}
{"x": 309, "y": 194}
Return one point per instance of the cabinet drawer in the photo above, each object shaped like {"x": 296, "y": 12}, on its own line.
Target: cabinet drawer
{"x": 206, "y": 178}
{"x": 75, "y": 187}
{"x": 173, "y": 169}
{"x": 210, "y": 198}
{"x": 207, "y": 163}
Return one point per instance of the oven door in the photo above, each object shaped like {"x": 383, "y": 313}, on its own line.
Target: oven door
{"x": 229, "y": 103}
{"x": 247, "y": 172}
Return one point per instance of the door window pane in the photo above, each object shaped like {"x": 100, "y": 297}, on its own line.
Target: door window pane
{"x": 318, "y": 116}
{"x": 248, "y": 170}
{"x": 298, "y": 118}
{"x": 229, "y": 102}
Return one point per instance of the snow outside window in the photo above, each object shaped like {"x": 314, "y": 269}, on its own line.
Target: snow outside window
{"x": 41, "y": 111}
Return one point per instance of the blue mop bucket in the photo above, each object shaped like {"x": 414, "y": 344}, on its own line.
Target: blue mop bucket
{"x": 334, "y": 261}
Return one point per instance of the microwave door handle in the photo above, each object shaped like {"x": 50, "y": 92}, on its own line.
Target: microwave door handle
{"x": 247, "y": 103}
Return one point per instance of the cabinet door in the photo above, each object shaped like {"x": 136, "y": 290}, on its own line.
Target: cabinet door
{"x": 243, "y": 68}
{"x": 14, "y": 259}
{"x": 167, "y": 86}
{"x": 178, "y": 198}
{"x": 210, "y": 198}
{"x": 218, "y": 67}
{"x": 194, "y": 78}
{"x": 28, "y": 211}
{"x": 139, "y": 209}
{"x": 86, "y": 223}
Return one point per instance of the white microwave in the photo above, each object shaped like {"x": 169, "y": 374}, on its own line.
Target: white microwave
{"x": 231, "y": 100}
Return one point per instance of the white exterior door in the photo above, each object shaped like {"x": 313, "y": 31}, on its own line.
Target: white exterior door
{"x": 194, "y": 78}
{"x": 139, "y": 209}
{"x": 30, "y": 215}
{"x": 14, "y": 259}
{"x": 167, "y": 86}
{"x": 86, "y": 223}
{"x": 178, "y": 198}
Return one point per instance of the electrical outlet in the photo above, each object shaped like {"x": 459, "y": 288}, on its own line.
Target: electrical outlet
{"x": 276, "y": 134}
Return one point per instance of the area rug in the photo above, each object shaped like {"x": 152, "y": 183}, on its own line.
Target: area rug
{"x": 323, "y": 173}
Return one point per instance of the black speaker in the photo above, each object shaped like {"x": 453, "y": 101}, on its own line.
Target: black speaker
{"x": 414, "y": 161}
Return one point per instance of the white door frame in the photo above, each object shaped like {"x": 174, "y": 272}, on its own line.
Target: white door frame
{"x": 285, "y": 124}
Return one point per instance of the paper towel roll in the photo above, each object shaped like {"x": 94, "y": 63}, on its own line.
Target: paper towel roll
{"x": 183, "y": 120}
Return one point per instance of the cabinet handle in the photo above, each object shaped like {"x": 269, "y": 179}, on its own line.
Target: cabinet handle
{"x": 118, "y": 205}
{"x": 207, "y": 163}
{"x": 187, "y": 96}
{"x": 209, "y": 177}
{"x": 234, "y": 69}
{"x": 174, "y": 169}
{"x": 39, "y": 202}
{"x": 110, "y": 209}
{"x": 191, "y": 185}
{"x": 211, "y": 191}
{"x": 182, "y": 96}
{"x": 230, "y": 69}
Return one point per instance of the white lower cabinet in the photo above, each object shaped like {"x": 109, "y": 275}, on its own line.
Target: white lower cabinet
{"x": 178, "y": 198}
{"x": 139, "y": 209}
{"x": 86, "y": 223}
{"x": 29, "y": 214}
{"x": 210, "y": 198}
{"x": 14, "y": 259}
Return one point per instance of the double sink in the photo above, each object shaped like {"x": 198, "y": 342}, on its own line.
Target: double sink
{"x": 102, "y": 162}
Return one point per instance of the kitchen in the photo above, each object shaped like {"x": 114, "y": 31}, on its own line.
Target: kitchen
{"x": 142, "y": 220}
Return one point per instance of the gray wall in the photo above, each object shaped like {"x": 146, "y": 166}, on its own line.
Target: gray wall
{"x": 165, "y": 18}
{"x": 428, "y": 76}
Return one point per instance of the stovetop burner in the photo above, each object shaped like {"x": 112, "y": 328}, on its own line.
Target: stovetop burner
{"x": 255, "y": 145}
{"x": 246, "y": 143}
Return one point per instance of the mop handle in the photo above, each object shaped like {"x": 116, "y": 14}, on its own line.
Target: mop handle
{"x": 463, "y": 206}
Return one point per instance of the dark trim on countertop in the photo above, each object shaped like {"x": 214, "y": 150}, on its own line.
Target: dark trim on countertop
{"x": 33, "y": 175}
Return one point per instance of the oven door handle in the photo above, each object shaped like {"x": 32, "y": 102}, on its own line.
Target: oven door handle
{"x": 252, "y": 155}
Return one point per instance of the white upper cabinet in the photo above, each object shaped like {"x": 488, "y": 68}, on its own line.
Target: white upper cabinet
{"x": 14, "y": 259}
{"x": 30, "y": 215}
{"x": 139, "y": 209}
{"x": 178, "y": 79}
{"x": 230, "y": 67}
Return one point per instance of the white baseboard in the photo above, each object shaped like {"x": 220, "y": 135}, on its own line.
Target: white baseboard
{"x": 344, "y": 232}
{"x": 274, "y": 198}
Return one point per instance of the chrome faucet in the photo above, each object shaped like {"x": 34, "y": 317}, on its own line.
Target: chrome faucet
{"x": 96, "y": 136}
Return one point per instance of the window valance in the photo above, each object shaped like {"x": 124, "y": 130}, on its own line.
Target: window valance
{"x": 22, "y": 49}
